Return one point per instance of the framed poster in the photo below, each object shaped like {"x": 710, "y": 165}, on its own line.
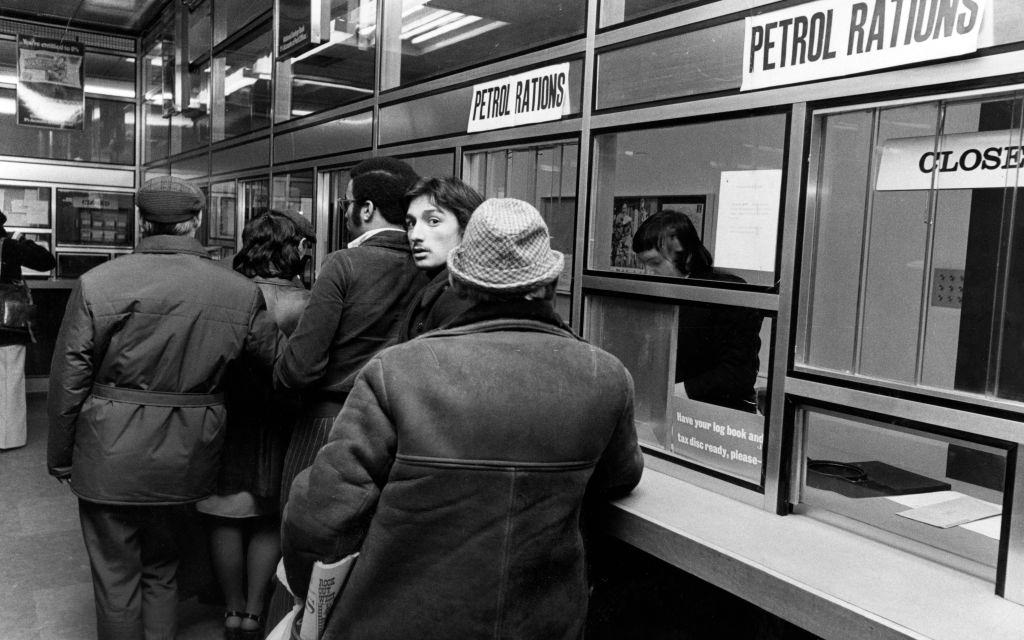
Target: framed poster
{"x": 629, "y": 212}
{"x": 25, "y": 207}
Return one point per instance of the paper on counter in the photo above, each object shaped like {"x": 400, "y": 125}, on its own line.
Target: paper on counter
{"x": 950, "y": 513}
{"x": 988, "y": 527}
{"x": 915, "y": 500}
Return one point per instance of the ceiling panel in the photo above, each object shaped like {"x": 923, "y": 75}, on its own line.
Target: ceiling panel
{"x": 101, "y": 15}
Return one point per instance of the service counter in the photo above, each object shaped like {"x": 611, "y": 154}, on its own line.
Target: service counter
{"x": 830, "y": 581}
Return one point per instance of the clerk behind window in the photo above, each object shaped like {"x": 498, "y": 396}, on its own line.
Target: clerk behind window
{"x": 717, "y": 356}
{"x": 15, "y": 252}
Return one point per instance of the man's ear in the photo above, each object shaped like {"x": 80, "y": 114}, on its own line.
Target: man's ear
{"x": 366, "y": 213}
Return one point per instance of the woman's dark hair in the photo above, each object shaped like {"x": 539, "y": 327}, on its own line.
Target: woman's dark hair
{"x": 656, "y": 231}
{"x": 448, "y": 193}
{"x": 270, "y": 247}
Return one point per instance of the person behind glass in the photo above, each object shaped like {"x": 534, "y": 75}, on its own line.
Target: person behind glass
{"x": 459, "y": 465}
{"x": 439, "y": 209}
{"x": 15, "y": 252}
{"x": 136, "y": 402}
{"x": 717, "y": 353}
{"x": 244, "y": 523}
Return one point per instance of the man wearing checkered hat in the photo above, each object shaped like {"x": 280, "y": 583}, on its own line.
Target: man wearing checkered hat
{"x": 136, "y": 405}
{"x": 459, "y": 465}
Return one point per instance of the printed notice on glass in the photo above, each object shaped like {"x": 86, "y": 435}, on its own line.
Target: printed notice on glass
{"x": 748, "y": 219}
{"x": 832, "y": 38}
{"x": 50, "y": 83}
{"x": 540, "y": 95}
{"x": 720, "y": 438}
{"x": 979, "y": 160}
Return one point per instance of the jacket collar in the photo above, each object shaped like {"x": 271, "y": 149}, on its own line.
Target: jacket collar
{"x": 373, "y": 233}
{"x": 171, "y": 244}
{"x": 538, "y": 312}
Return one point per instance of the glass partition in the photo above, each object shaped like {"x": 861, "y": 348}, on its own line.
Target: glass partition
{"x": 912, "y": 264}
{"x": 700, "y": 372}
{"x": 242, "y": 96}
{"x": 941, "y": 491}
{"x": 335, "y": 72}
{"x": 616, "y": 11}
{"x": 690, "y": 201}
{"x": 544, "y": 176}
{"x": 95, "y": 218}
{"x": 231, "y": 16}
{"x": 157, "y": 98}
{"x": 25, "y": 207}
{"x": 294, "y": 191}
{"x": 200, "y": 29}
{"x": 429, "y": 39}
{"x": 218, "y": 232}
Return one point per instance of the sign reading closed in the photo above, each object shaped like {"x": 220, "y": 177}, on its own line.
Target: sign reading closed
{"x": 831, "y": 38}
{"x": 540, "y": 95}
{"x": 982, "y": 160}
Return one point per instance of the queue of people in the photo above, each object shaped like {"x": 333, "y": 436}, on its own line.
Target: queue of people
{"x": 422, "y": 404}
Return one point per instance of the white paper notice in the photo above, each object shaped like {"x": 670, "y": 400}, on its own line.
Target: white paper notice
{"x": 952, "y": 512}
{"x": 748, "y": 219}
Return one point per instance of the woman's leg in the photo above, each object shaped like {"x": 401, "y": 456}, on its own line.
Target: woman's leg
{"x": 263, "y": 552}
{"x": 227, "y": 555}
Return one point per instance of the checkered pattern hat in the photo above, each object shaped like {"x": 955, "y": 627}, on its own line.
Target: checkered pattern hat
{"x": 505, "y": 249}
{"x": 169, "y": 200}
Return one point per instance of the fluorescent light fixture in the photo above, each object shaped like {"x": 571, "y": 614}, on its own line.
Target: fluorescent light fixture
{"x": 300, "y": 112}
{"x": 107, "y": 88}
{"x": 465, "y": 35}
{"x": 451, "y": 26}
{"x": 332, "y": 85}
{"x": 7, "y": 106}
{"x": 426, "y": 23}
{"x": 237, "y": 80}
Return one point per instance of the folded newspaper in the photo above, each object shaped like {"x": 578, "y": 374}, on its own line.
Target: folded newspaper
{"x": 325, "y": 583}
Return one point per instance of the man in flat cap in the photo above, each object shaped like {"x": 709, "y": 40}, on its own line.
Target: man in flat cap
{"x": 136, "y": 406}
{"x": 459, "y": 465}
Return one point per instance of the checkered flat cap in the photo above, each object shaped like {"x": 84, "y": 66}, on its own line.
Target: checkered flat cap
{"x": 505, "y": 248}
{"x": 169, "y": 200}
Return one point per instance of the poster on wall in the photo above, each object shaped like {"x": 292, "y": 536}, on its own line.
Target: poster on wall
{"x": 720, "y": 438}
{"x": 51, "y": 78}
{"x": 748, "y": 219}
{"x": 629, "y": 212}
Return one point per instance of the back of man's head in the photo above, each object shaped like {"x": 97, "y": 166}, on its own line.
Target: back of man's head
{"x": 169, "y": 206}
{"x": 505, "y": 252}
{"x": 384, "y": 182}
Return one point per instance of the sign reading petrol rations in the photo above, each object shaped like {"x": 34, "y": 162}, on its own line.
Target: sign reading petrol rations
{"x": 831, "y": 38}
{"x": 540, "y": 95}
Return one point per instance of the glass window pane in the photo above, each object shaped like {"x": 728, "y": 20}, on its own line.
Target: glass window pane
{"x": 200, "y": 29}
{"x": 426, "y": 40}
{"x": 336, "y": 72}
{"x": 714, "y": 187}
{"x": 241, "y": 73}
{"x": 434, "y": 165}
{"x": 95, "y": 218}
{"x": 25, "y": 207}
{"x": 108, "y": 75}
{"x": 886, "y": 474}
{"x": 544, "y": 176}
{"x": 700, "y": 373}
{"x": 675, "y": 67}
{"x": 218, "y": 230}
{"x": 231, "y": 16}
{"x": 914, "y": 280}
{"x": 191, "y": 127}
{"x": 157, "y": 98}
{"x": 108, "y": 134}
{"x": 616, "y": 11}
{"x": 293, "y": 191}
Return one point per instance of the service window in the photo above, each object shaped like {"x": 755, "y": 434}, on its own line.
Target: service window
{"x": 97, "y": 218}
{"x": 695, "y": 201}
{"x": 544, "y": 176}
{"x": 913, "y": 259}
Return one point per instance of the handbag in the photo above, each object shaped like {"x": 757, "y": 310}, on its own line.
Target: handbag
{"x": 17, "y": 311}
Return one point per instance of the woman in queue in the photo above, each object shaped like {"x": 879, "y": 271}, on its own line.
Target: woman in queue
{"x": 244, "y": 515}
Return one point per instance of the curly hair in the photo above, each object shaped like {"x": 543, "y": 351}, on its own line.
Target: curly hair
{"x": 383, "y": 181}
{"x": 270, "y": 247}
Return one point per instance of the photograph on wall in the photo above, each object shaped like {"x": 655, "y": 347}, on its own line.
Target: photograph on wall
{"x": 631, "y": 211}
{"x": 51, "y": 83}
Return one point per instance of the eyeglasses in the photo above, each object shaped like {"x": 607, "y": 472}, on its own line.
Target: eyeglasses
{"x": 345, "y": 203}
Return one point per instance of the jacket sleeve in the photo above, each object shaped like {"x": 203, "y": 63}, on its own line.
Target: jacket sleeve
{"x": 305, "y": 354}
{"x": 26, "y": 253}
{"x": 622, "y": 462}
{"x": 331, "y": 504}
{"x": 264, "y": 338}
{"x": 71, "y": 377}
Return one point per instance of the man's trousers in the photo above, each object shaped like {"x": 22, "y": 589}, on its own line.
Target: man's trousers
{"x": 134, "y": 560}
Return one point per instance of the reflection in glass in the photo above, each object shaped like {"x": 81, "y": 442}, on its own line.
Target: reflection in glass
{"x": 338, "y": 71}
{"x": 218, "y": 229}
{"x": 244, "y": 70}
{"x": 231, "y": 16}
{"x": 293, "y": 191}
{"x": 616, "y": 11}
{"x": 434, "y": 38}
{"x": 95, "y": 218}
{"x": 157, "y": 98}
{"x": 694, "y": 381}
